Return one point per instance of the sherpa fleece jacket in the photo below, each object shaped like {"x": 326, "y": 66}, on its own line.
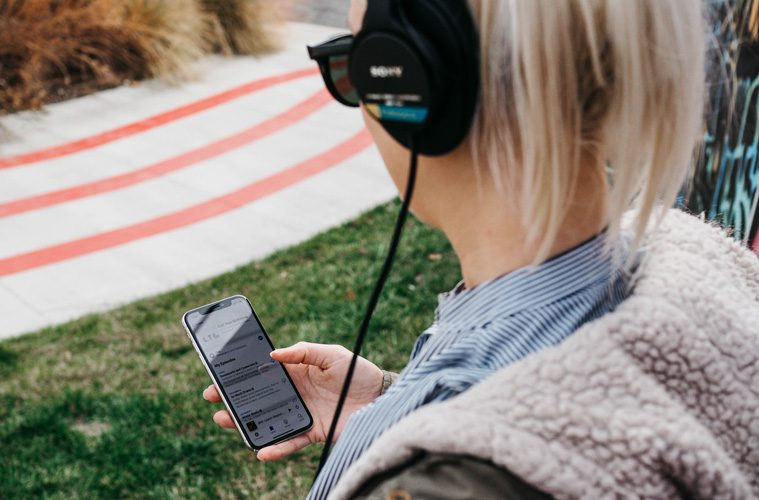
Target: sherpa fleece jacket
{"x": 657, "y": 399}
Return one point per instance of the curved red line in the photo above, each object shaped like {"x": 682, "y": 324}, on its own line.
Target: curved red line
{"x": 190, "y": 215}
{"x": 154, "y": 121}
{"x": 252, "y": 134}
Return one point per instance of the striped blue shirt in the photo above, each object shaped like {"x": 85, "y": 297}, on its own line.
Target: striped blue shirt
{"x": 479, "y": 331}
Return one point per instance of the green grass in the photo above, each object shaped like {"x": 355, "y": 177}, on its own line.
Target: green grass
{"x": 110, "y": 405}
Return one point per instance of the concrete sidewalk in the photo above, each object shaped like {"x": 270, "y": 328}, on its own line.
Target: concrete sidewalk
{"x": 323, "y": 12}
{"x": 139, "y": 190}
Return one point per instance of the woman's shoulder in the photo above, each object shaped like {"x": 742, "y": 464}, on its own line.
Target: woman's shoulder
{"x": 697, "y": 242}
{"x": 692, "y": 267}
{"x": 667, "y": 378}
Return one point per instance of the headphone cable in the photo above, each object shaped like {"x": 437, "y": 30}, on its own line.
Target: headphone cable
{"x": 379, "y": 285}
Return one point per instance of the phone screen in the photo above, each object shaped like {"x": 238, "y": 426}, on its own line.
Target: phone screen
{"x": 258, "y": 389}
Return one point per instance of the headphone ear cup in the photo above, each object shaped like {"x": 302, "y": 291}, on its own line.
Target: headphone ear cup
{"x": 436, "y": 41}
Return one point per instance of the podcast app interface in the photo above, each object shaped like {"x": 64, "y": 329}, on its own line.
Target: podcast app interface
{"x": 256, "y": 385}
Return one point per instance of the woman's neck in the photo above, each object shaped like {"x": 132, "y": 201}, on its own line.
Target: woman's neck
{"x": 490, "y": 240}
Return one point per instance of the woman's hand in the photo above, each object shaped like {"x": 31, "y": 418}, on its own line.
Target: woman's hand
{"x": 318, "y": 371}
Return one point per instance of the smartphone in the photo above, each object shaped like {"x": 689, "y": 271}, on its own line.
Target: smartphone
{"x": 257, "y": 391}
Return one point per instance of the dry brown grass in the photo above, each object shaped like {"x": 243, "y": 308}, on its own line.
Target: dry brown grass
{"x": 245, "y": 26}
{"x": 50, "y": 48}
{"x": 56, "y": 49}
{"x": 171, "y": 33}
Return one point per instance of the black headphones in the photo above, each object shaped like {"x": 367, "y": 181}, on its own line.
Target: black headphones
{"x": 415, "y": 66}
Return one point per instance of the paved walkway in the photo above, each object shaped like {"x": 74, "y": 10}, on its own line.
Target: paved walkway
{"x": 324, "y": 12}
{"x": 139, "y": 190}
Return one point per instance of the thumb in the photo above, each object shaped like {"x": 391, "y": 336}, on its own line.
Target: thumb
{"x": 283, "y": 449}
{"x": 307, "y": 353}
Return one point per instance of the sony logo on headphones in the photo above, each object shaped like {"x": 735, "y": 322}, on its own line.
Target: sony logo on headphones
{"x": 386, "y": 71}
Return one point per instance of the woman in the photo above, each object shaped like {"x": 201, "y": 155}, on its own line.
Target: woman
{"x": 550, "y": 371}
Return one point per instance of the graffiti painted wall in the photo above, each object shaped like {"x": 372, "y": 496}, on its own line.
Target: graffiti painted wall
{"x": 724, "y": 186}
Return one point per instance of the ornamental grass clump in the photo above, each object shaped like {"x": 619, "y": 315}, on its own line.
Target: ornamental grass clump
{"x": 244, "y": 26}
{"x": 52, "y": 50}
{"x": 171, "y": 34}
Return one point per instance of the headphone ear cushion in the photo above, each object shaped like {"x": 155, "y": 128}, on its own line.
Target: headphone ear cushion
{"x": 461, "y": 24}
{"x": 445, "y": 34}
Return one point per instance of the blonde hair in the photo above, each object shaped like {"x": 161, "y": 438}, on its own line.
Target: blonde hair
{"x": 619, "y": 81}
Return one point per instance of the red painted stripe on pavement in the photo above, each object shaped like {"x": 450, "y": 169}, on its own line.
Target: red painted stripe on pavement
{"x": 197, "y": 155}
{"x": 154, "y": 121}
{"x": 190, "y": 215}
